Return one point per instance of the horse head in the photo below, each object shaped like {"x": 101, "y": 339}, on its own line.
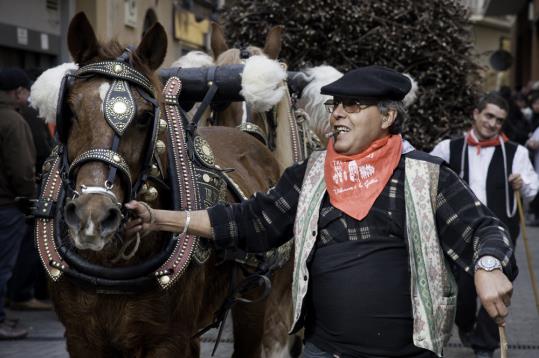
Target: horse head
{"x": 112, "y": 103}
{"x": 271, "y": 119}
{"x": 235, "y": 113}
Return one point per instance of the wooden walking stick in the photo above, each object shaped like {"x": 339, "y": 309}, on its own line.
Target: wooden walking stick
{"x": 527, "y": 249}
{"x": 503, "y": 342}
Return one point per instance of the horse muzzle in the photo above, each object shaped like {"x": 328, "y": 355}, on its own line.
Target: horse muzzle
{"x": 92, "y": 220}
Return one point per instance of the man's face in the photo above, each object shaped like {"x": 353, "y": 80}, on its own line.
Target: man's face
{"x": 488, "y": 122}
{"x": 356, "y": 130}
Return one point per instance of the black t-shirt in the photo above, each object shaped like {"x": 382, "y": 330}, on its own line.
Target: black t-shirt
{"x": 359, "y": 304}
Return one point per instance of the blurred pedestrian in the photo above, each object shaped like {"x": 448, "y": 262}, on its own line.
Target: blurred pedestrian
{"x": 28, "y": 272}
{"x": 17, "y": 161}
{"x": 494, "y": 167}
{"x": 521, "y": 101}
{"x": 533, "y": 146}
{"x": 516, "y": 126}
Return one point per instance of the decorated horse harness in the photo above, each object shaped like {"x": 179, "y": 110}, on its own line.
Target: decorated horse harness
{"x": 192, "y": 178}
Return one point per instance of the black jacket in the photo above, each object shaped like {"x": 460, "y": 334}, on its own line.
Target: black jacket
{"x": 17, "y": 154}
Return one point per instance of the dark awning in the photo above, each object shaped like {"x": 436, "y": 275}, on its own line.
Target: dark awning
{"x": 503, "y": 7}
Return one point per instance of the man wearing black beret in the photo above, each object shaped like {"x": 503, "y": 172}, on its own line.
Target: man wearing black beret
{"x": 17, "y": 160}
{"x": 373, "y": 221}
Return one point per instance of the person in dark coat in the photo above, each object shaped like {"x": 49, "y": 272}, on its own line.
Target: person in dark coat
{"x": 516, "y": 127}
{"x": 28, "y": 274}
{"x": 17, "y": 178}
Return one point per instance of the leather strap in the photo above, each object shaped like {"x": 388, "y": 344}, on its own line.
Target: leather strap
{"x": 45, "y": 228}
{"x": 171, "y": 270}
{"x": 208, "y": 97}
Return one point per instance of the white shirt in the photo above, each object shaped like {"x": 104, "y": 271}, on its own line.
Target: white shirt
{"x": 478, "y": 168}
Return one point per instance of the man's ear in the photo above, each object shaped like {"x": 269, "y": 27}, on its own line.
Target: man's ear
{"x": 389, "y": 119}
{"x": 475, "y": 113}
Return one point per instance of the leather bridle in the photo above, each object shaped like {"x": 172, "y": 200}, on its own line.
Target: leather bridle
{"x": 120, "y": 109}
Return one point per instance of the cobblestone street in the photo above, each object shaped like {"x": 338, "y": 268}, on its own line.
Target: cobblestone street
{"x": 46, "y": 333}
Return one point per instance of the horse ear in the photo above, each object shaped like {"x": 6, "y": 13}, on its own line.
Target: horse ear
{"x": 273, "y": 42}
{"x": 218, "y": 42}
{"x": 153, "y": 47}
{"x": 81, "y": 39}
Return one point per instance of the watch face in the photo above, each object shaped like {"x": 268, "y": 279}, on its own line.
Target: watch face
{"x": 488, "y": 262}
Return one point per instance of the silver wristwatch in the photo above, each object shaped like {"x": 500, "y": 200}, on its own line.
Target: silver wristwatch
{"x": 488, "y": 263}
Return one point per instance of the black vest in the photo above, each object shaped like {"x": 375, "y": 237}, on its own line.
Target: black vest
{"x": 495, "y": 180}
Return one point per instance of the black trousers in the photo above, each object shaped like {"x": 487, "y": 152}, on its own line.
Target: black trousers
{"x": 12, "y": 230}
{"x": 484, "y": 330}
{"x": 27, "y": 271}
{"x": 534, "y": 207}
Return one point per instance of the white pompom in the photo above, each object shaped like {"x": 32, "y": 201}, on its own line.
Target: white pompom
{"x": 45, "y": 91}
{"x": 262, "y": 83}
{"x": 411, "y": 96}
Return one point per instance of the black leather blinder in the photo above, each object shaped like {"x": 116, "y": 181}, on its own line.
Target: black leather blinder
{"x": 64, "y": 115}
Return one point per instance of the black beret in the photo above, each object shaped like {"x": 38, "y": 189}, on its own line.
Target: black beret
{"x": 371, "y": 83}
{"x": 13, "y": 78}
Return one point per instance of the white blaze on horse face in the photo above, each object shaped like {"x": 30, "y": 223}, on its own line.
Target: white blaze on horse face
{"x": 82, "y": 241}
{"x": 103, "y": 90}
{"x": 89, "y": 230}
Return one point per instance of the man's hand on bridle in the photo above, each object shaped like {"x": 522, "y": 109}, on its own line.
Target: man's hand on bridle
{"x": 142, "y": 221}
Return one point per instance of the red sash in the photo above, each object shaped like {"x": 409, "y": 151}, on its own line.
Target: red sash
{"x": 470, "y": 139}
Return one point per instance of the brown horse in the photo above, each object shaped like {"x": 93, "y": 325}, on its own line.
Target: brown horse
{"x": 155, "y": 323}
{"x": 279, "y": 126}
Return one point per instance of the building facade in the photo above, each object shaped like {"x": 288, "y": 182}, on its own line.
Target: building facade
{"x": 33, "y": 32}
{"x": 524, "y": 37}
{"x": 489, "y": 35}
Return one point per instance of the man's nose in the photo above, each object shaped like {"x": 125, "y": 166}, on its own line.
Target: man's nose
{"x": 339, "y": 111}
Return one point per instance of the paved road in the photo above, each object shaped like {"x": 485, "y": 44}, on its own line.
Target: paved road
{"x": 46, "y": 333}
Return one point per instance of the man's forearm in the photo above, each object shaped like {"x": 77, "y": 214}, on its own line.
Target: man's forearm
{"x": 175, "y": 221}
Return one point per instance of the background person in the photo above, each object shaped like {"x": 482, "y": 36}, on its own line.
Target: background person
{"x": 17, "y": 161}
{"x": 28, "y": 272}
{"x": 494, "y": 168}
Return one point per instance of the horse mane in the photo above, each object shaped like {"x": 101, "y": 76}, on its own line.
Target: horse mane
{"x": 194, "y": 59}
{"x": 232, "y": 56}
{"x": 313, "y": 102}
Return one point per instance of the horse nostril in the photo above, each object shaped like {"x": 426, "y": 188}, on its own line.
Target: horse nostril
{"x": 111, "y": 221}
{"x": 70, "y": 215}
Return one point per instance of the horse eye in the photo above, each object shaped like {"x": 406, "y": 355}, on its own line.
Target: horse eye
{"x": 144, "y": 119}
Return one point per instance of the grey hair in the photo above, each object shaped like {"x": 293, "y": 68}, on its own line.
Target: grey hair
{"x": 402, "y": 114}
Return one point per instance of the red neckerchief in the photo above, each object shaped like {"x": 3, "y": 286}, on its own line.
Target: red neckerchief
{"x": 354, "y": 182}
{"x": 470, "y": 139}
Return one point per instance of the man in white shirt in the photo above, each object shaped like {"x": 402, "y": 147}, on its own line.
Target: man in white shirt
{"x": 494, "y": 167}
